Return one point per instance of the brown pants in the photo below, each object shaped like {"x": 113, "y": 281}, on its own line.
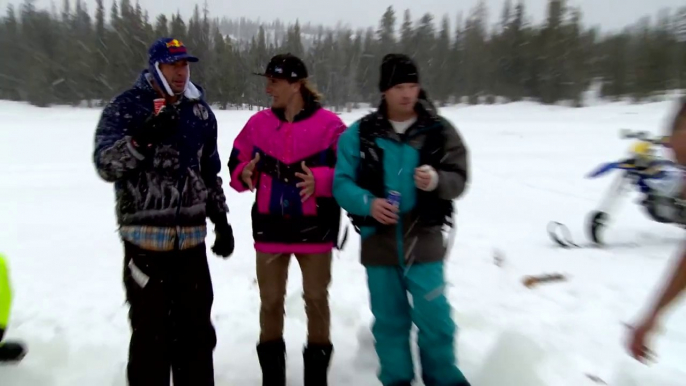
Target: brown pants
{"x": 272, "y": 276}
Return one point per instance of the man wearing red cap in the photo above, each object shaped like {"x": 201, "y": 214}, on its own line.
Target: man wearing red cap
{"x": 157, "y": 143}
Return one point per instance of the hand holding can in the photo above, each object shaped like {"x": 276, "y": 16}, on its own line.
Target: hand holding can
{"x": 394, "y": 198}
{"x": 159, "y": 104}
{"x": 384, "y": 211}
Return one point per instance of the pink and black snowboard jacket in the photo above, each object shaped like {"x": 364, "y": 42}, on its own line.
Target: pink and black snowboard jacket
{"x": 281, "y": 222}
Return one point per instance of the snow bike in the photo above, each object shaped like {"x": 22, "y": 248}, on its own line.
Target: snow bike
{"x": 658, "y": 180}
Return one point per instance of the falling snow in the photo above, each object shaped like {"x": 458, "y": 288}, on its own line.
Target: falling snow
{"x": 528, "y": 164}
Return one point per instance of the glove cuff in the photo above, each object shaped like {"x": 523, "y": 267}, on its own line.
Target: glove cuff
{"x": 220, "y": 221}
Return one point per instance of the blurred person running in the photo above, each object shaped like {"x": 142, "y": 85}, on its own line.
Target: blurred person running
{"x": 675, "y": 285}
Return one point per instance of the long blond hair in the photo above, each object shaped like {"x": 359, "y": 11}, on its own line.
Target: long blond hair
{"x": 309, "y": 91}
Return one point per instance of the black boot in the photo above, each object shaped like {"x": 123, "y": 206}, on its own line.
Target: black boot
{"x": 316, "y": 358}
{"x": 11, "y": 352}
{"x": 272, "y": 357}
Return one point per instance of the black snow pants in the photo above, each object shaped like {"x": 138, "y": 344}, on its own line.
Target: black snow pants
{"x": 170, "y": 298}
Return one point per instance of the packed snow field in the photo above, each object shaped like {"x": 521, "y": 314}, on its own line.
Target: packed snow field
{"x": 528, "y": 167}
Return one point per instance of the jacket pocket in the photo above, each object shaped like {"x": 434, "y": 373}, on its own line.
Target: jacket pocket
{"x": 381, "y": 248}
{"x": 425, "y": 245}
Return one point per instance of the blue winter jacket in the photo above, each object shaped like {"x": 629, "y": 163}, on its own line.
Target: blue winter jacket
{"x": 175, "y": 185}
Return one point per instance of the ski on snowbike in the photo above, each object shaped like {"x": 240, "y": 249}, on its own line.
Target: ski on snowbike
{"x": 659, "y": 180}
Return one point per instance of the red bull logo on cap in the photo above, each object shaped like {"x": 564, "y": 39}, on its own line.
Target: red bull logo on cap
{"x": 174, "y": 43}
{"x": 176, "y": 47}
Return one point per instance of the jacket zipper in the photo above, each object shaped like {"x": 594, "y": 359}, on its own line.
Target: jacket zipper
{"x": 179, "y": 188}
{"x": 177, "y": 240}
{"x": 399, "y": 227}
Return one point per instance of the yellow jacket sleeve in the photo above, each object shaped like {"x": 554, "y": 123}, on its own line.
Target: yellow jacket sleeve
{"x": 5, "y": 293}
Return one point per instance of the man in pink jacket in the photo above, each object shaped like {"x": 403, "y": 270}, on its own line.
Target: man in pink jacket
{"x": 288, "y": 154}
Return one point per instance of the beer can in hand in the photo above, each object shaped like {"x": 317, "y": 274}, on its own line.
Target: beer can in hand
{"x": 394, "y": 198}
{"x": 159, "y": 104}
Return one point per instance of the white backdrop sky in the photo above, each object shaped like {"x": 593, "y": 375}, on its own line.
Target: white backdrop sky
{"x": 608, "y": 14}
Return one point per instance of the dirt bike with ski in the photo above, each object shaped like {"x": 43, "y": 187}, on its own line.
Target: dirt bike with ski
{"x": 658, "y": 180}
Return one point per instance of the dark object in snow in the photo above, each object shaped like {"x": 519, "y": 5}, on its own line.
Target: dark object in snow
{"x": 596, "y": 379}
{"x": 531, "y": 281}
{"x": 498, "y": 258}
{"x": 12, "y": 352}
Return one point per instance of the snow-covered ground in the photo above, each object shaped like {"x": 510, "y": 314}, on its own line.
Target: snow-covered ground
{"x": 528, "y": 166}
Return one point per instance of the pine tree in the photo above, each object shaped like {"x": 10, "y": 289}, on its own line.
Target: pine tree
{"x": 576, "y": 68}
{"x": 386, "y": 31}
{"x": 101, "y": 87}
{"x": 66, "y": 55}
{"x": 615, "y": 69}
{"x": 506, "y": 17}
{"x": 11, "y": 81}
{"x": 680, "y": 47}
{"x": 518, "y": 42}
{"x": 475, "y": 54}
{"x": 293, "y": 43}
{"x": 368, "y": 70}
{"x": 424, "y": 44}
{"x": 40, "y": 37}
{"x": 66, "y": 11}
{"x": 178, "y": 28}
{"x": 82, "y": 74}
{"x": 162, "y": 26}
{"x": 456, "y": 80}
{"x": 407, "y": 34}
{"x": 442, "y": 65}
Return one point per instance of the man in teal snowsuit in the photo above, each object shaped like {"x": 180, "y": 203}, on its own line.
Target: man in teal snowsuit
{"x": 405, "y": 148}
{"x": 8, "y": 351}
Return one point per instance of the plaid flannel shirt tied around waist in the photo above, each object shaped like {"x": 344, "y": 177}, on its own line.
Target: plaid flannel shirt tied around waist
{"x": 163, "y": 239}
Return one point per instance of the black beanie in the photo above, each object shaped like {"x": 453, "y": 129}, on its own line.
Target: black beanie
{"x": 397, "y": 69}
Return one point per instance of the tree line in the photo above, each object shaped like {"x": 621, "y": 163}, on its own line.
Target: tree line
{"x": 70, "y": 56}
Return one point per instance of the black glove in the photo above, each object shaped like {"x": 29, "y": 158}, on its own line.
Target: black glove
{"x": 223, "y": 243}
{"x": 157, "y": 128}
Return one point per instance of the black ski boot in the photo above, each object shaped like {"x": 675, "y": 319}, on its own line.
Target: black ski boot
{"x": 11, "y": 352}
{"x": 316, "y": 358}
{"x": 272, "y": 357}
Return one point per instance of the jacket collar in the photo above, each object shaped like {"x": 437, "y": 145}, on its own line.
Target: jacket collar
{"x": 427, "y": 118}
{"x": 311, "y": 107}
{"x": 144, "y": 83}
